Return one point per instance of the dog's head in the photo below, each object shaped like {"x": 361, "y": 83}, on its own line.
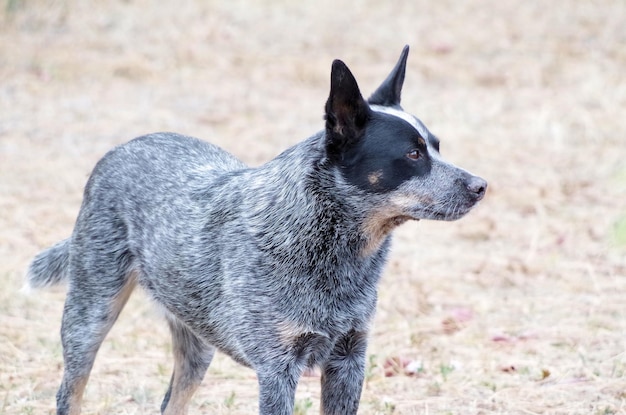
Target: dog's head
{"x": 385, "y": 151}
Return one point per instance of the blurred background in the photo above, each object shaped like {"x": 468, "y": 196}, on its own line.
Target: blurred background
{"x": 516, "y": 309}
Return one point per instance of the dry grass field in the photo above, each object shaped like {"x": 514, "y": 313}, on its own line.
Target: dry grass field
{"x": 519, "y": 308}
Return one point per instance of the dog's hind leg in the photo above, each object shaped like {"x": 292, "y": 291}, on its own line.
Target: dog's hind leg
{"x": 87, "y": 318}
{"x": 343, "y": 374}
{"x": 192, "y": 358}
{"x": 101, "y": 280}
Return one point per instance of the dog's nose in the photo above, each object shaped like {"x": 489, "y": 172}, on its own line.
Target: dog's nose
{"x": 477, "y": 186}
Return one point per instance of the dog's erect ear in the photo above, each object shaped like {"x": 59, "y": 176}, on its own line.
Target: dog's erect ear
{"x": 388, "y": 93}
{"x": 346, "y": 110}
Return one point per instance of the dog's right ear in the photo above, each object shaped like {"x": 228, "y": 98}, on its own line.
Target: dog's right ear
{"x": 389, "y": 92}
{"x": 346, "y": 110}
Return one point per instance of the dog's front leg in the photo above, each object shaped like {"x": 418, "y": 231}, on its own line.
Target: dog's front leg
{"x": 342, "y": 375}
{"x": 277, "y": 390}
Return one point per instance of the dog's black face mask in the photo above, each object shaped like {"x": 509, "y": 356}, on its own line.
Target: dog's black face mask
{"x": 375, "y": 151}
{"x": 381, "y": 149}
{"x": 389, "y": 153}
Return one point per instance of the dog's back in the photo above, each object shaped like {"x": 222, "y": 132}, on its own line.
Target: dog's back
{"x": 141, "y": 183}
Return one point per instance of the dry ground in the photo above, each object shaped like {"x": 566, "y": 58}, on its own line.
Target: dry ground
{"x": 517, "y": 309}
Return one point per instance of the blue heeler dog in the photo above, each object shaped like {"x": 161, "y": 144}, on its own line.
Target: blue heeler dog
{"x": 276, "y": 266}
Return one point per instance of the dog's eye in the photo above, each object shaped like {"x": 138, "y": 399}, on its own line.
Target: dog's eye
{"x": 413, "y": 154}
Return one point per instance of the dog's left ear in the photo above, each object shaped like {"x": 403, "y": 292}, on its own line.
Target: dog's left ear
{"x": 388, "y": 93}
{"x": 346, "y": 110}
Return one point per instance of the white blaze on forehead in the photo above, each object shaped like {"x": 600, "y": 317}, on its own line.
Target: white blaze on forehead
{"x": 413, "y": 121}
{"x": 417, "y": 124}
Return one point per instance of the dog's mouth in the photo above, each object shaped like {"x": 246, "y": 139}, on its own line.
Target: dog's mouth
{"x": 448, "y": 212}
{"x": 443, "y": 216}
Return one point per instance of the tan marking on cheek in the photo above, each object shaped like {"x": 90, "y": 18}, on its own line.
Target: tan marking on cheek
{"x": 378, "y": 225}
{"x": 374, "y": 177}
{"x": 406, "y": 202}
{"x": 382, "y": 221}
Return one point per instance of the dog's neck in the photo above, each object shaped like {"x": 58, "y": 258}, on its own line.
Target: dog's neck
{"x": 338, "y": 211}
{"x": 377, "y": 229}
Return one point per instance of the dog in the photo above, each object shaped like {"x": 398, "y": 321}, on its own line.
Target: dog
{"x": 276, "y": 266}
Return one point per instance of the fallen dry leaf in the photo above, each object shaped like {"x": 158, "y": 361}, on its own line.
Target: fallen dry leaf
{"x": 397, "y": 365}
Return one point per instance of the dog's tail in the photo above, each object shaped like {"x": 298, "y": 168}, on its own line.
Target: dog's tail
{"x": 50, "y": 267}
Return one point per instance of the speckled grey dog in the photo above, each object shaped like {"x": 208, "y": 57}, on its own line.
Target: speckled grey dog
{"x": 277, "y": 266}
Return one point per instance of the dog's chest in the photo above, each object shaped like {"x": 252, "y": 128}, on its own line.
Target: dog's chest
{"x": 334, "y": 300}
{"x": 313, "y": 330}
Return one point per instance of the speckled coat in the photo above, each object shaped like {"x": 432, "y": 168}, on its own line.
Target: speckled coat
{"x": 277, "y": 266}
